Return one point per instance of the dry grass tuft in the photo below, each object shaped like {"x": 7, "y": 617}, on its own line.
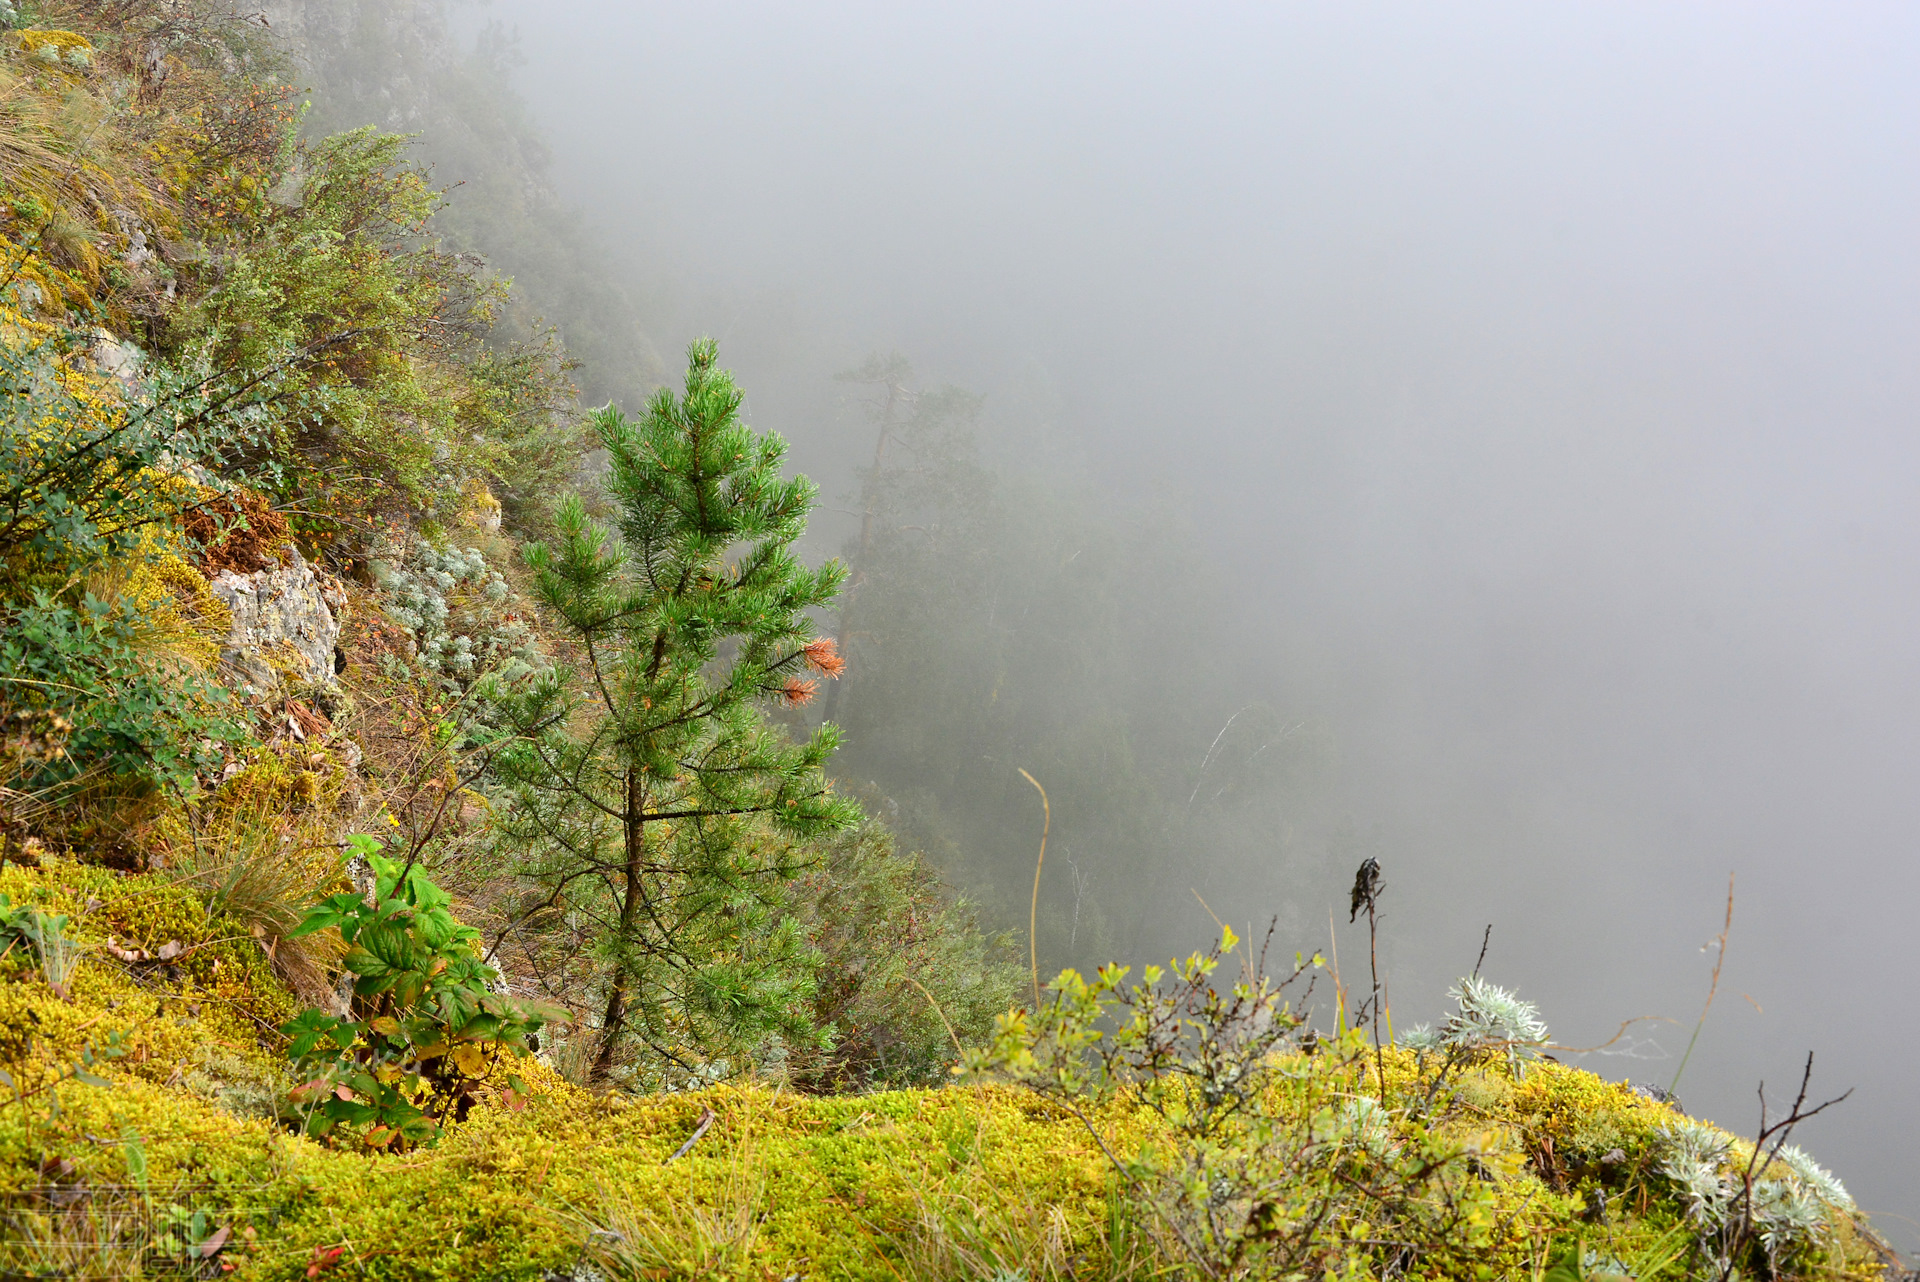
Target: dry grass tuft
{"x": 709, "y": 1233}
{"x": 263, "y": 869}
{"x": 967, "y": 1227}
{"x": 90, "y": 1236}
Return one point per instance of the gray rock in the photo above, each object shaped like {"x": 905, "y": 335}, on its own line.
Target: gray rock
{"x": 118, "y": 360}
{"x": 1658, "y": 1095}
{"x": 285, "y": 626}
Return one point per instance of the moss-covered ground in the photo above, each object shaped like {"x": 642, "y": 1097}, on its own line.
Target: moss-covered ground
{"x": 778, "y": 1184}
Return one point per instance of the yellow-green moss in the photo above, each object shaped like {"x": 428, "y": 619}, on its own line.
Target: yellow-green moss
{"x": 832, "y": 1187}
{"x": 32, "y": 40}
{"x": 176, "y": 606}
{"x": 291, "y": 780}
{"x": 219, "y": 991}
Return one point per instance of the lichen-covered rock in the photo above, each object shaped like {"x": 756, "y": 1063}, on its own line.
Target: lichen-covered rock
{"x": 285, "y": 625}
{"x": 119, "y": 360}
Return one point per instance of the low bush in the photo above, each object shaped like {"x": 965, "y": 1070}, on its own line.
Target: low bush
{"x": 903, "y": 974}
{"x": 397, "y": 396}
{"x": 425, "y": 1028}
{"x": 92, "y": 633}
{"x": 1283, "y": 1162}
{"x": 130, "y": 725}
{"x": 1287, "y": 1152}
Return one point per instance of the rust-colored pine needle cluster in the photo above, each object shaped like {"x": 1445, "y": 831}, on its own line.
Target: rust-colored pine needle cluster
{"x": 823, "y": 657}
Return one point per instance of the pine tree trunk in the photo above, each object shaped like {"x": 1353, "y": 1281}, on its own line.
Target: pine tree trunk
{"x": 634, "y": 822}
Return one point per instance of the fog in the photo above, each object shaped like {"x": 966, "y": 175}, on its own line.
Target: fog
{"x": 1542, "y": 380}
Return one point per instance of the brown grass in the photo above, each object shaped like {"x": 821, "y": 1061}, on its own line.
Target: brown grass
{"x": 264, "y": 869}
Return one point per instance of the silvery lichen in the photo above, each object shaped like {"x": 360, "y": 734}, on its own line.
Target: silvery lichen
{"x": 1486, "y": 1017}
{"x": 1709, "y": 1172}
{"x": 454, "y": 605}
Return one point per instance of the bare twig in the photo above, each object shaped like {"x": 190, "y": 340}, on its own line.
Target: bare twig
{"x": 1763, "y": 1156}
{"x": 1373, "y": 961}
{"x": 1624, "y": 1026}
{"x": 1367, "y": 885}
{"x": 1720, "y": 941}
{"x": 706, "y": 1120}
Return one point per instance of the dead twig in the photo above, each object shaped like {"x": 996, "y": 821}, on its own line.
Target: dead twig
{"x": 706, "y": 1120}
{"x": 1719, "y": 941}
{"x": 1367, "y": 885}
{"x": 1763, "y": 1156}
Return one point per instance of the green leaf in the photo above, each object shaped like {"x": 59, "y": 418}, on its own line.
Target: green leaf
{"x": 136, "y": 1157}
{"x": 351, "y": 1112}
{"x": 479, "y": 1028}
{"x": 408, "y": 986}
{"x": 1566, "y": 1267}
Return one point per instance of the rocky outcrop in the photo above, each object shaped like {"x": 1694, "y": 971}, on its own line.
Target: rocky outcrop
{"x": 286, "y": 625}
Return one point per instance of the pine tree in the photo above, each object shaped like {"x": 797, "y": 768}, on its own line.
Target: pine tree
{"x": 651, "y": 792}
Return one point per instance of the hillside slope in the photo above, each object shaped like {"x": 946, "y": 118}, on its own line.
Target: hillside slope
{"x": 284, "y": 990}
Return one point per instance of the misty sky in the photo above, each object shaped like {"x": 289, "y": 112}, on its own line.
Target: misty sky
{"x": 1545, "y": 376}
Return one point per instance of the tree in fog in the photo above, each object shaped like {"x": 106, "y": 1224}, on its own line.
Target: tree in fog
{"x": 651, "y": 793}
{"x": 991, "y": 625}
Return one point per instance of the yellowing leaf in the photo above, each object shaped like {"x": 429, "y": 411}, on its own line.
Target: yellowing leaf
{"x": 469, "y": 1060}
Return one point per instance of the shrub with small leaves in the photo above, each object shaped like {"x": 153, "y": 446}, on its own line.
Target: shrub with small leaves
{"x": 1281, "y": 1168}
{"x": 114, "y": 717}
